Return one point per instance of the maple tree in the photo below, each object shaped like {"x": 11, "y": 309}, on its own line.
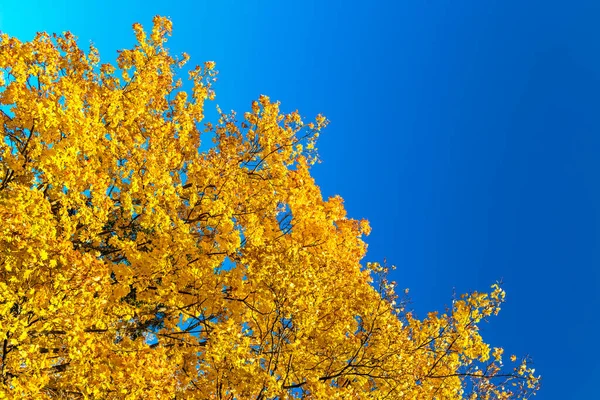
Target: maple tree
{"x": 134, "y": 265}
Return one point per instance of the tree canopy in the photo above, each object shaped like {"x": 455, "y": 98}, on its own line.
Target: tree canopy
{"x": 134, "y": 264}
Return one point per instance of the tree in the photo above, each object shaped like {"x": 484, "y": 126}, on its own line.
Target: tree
{"x": 134, "y": 265}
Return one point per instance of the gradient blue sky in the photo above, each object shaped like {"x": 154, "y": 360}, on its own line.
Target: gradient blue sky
{"x": 465, "y": 131}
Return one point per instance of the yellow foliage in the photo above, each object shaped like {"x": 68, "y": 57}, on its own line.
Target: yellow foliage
{"x": 133, "y": 265}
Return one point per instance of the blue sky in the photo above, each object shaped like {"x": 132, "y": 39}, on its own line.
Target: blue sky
{"x": 465, "y": 131}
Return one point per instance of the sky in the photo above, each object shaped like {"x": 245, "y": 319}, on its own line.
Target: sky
{"x": 466, "y": 132}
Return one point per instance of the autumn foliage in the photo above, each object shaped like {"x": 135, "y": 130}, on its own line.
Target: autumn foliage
{"x": 135, "y": 265}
